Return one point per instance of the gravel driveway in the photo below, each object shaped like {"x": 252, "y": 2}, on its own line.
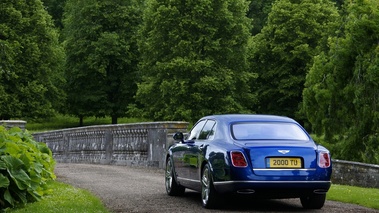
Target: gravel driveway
{"x": 132, "y": 189}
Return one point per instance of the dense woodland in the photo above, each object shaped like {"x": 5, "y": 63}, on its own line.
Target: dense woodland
{"x": 313, "y": 60}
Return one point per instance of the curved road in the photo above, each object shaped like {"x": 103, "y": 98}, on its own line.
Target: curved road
{"x": 132, "y": 189}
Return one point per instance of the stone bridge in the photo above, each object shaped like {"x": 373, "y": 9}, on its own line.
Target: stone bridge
{"x": 145, "y": 144}
{"x": 142, "y": 144}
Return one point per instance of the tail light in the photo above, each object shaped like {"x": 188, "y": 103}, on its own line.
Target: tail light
{"x": 238, "y": 159}
{"x": 323, "y": 159}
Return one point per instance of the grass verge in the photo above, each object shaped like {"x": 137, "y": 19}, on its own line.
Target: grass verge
{"x": 65, "y": 121}
{"x": 64, "y": 198}
{"x": 368, "y": 197}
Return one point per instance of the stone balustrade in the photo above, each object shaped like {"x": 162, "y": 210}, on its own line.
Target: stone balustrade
{"x": 13, "y": 123}
{"x": 141, "y": 144}
{"x": 145, "y": 144}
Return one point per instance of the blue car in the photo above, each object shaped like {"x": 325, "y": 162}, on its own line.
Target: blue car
{"x": 265, "y": 156}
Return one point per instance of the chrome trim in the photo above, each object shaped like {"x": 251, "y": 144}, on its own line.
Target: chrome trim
{"x": 284, "y": 151}
{"x": 188, "y": 180}
{"x": 320, "y": 191}
{"x": 264, "y": 181}
{"x": 313, "y": 169}
{"x": 246, "y": 191}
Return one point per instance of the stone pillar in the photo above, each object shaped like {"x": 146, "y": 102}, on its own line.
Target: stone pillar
{"x": 12, "y": 123}
{"x": 108, "y": 147}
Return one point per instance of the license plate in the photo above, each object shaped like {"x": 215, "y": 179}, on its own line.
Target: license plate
{"x": 283, "y": 163}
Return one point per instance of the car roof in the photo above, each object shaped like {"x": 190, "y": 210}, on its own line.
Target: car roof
{"x": 249, "y": 117}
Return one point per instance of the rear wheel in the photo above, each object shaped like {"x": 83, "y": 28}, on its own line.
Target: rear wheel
{"x": 315, "y": 201}
{"x": 172, "y": 187}
{"x": 209, "y": 196}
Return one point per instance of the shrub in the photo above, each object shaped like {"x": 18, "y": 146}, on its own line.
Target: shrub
{"x": 25, "y": 168}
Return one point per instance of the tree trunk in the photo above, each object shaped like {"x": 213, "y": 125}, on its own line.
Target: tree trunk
{"x": 81, "y": 121}
{"x": 114, "y": 119}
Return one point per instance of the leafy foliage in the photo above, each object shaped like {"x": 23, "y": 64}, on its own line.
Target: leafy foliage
{"x": 55, "y": 9}
{"x": 283, "y": 50}
{"x": 25, "y": 168}
{"x": 341, "y": 98}
{"x": 198, "y": 58}
{"x": 194, "y": 59}
{"x": 102, "y": 56}
{"x": 258, "y": 12}
{"x": 30, "y": 61}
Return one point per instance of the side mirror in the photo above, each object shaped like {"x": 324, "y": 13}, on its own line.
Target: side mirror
{"x": 179, "y": 136}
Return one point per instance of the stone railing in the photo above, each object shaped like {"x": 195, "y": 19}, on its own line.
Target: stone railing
{"x": 141, "y": 144}
{"x": 12, "y": 123}
{"x": 145, "y": 144}
{"x": 355, "y": 174}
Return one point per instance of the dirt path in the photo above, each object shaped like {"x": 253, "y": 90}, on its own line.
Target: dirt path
{"x": 130, "y": 189}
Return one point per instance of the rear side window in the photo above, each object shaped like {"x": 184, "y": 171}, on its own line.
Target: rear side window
{"x": 207, "y": 133}
{"x": 195, "y": 131}
{"x": 268, "y": 131}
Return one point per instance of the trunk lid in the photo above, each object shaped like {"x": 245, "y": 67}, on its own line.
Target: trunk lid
{"x": 283, "y": 158}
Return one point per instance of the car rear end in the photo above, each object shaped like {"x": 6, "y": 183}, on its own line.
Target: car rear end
{"x": 276, "y": 159}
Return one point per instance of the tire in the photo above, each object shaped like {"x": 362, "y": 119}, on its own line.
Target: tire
{"x": 172, "y": 187}
{"x": 209, "y": 195}
{"x": 315, "y": 201}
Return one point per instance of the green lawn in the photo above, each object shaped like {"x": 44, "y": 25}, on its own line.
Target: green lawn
{"x": 64, "y": 121}
{"x": 64, "y": 198}
{"x": 368, "y": 197}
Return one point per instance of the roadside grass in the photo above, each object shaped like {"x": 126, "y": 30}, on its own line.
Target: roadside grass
{"x": 368, "y": 197}
{"x": 64, "y": 198}
{"x": 65, "y": 121}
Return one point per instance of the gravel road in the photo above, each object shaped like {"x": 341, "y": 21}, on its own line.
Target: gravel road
{"x": 132, "y": 189}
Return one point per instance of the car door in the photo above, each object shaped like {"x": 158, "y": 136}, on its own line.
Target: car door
{"x": 185, "y": 154}
{"x": 196, "y": 150}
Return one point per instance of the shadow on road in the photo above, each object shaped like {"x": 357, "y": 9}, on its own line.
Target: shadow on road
{"x": 247, "y": 203}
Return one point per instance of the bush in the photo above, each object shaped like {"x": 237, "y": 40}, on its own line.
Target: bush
{"x": 25, "y": 168}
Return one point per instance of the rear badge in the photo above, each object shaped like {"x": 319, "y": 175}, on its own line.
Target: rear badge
{"x": 284, "y": 151}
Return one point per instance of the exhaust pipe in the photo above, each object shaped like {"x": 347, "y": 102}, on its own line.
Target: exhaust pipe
{"x": 320, "y": 191}
{"x": 246, "y": 191}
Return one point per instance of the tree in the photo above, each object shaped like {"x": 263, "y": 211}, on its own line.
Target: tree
{"x": 194, "y": 59}
{"x": 55, "y": 9}
{"x": 258, "y": 12}
{"x": 341, "y": 94}
{"x": 295, "y": 32}
{"x": 30, "y": 64}
{"x": 102, "y": 56}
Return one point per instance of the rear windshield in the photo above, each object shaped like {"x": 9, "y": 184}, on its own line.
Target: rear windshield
{"x": 268, "y": 131}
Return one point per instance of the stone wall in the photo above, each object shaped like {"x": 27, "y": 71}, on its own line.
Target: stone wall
{"x": 141, "y": 144}
{"x": 12, "y": 123}
{"x": 145, "y": 144}
{"x": 355, "y": 174}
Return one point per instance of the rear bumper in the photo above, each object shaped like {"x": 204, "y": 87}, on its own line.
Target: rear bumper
{"x": 273, "y": 189}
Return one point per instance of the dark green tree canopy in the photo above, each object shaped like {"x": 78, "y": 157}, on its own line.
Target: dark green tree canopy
{"x": 194, "y": 59}
{"x": 102, "y": 56}
{"x": 258, "y": 12}
{"x": 30, "y": 61}
{"x": 341, "y": 94}
{"x": 295, "y": 32}
{"x": 55, "y": 9}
